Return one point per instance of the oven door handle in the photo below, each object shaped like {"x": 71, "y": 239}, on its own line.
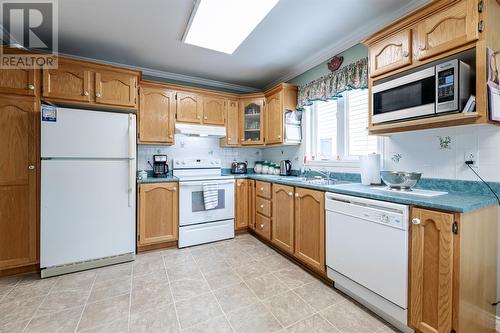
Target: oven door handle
{"x": 197, "y": 183}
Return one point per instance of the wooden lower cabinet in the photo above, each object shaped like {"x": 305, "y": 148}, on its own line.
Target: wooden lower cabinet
{"x": 263, "y": 226}
{"x": 158, "y": 214}
{"x": 453, "y": 260}
{"x": 310, "y": 227}
{"x": 243, "y": 203}
{"x": 19, "y": 128}
{"x": 283, "y": 217}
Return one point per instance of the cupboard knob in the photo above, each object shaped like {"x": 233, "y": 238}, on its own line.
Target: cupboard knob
{"x": 31, "y": 87}
{"x": 198, "y": 117}
{"x": 205, "y": 117}
{"x": 296, "y": 195}
{"x": 262, "y": 226}
{"x": 170, "y": 136}
{"x": 261, "y": 206}
{"x": 31, "y": 167}
{"x": 229, "y": 138}
{"x": 85, "y": 93}
{"x": 415, "y": 221}
{"x": 262, "y": 189}
{"x": 279, "y": 136}
{"x": 405, "y": 54}
{"x": 98, "y": 95}
{"x": 290, "y": 194}
{"x": 174, "y": 189}
{"x": 242, "y": 140}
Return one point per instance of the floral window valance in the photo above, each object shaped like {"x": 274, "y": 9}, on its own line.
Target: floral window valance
{"x": 352, "y": 76}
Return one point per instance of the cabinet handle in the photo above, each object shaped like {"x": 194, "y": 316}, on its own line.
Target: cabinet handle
{"x": 290, "y": 194}
{"x": 31, "y": 87}
{"x": 405, "y": 54}
{"x": 261, "y": 206}
{"x": 85, "y": 93}
{"x": 262, "y": 226}
{"x": 296, "y": 195}
{"x": 98, "y": 95}
{"x": 198, "y": 117}
{"x": 174, "y": 189}
{"x": 205, "y": 117}
{"x": 170, "y": 136}
{"x": 415, "y": 221}
{"x": 279, "y": 136}
{"x": 31, "y": 167}
{"x": 229, "y": 138}
{"x": 262, "y": 189}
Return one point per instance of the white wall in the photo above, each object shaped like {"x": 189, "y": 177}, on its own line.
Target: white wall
{"x": 194, "y": 147}
{"x": 421, "y": 151}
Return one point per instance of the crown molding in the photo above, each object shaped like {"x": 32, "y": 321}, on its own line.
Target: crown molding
{"x": 350, "y": 40}
{"x": 173, "y": 76}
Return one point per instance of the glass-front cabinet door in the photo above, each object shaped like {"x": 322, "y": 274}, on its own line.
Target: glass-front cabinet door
{"x": 252, "y": 121}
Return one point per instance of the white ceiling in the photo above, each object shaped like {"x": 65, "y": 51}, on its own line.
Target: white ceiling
{"x": 295, "y": 36}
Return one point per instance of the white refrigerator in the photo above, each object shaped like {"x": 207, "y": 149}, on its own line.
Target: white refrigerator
{"x": 87, "y": 189}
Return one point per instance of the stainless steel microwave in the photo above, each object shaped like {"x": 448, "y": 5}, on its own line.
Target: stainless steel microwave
{"x": 443, "y": 88}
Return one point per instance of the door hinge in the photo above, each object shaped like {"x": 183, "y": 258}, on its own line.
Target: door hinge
{"x": 454, "y": 228}
{"x": 480, "y": 6}
{"x": 135, "y": 100}
{"x": 480, "y": 26}
{"x": 138, "y": 237}
{"x": 176, "y": 96}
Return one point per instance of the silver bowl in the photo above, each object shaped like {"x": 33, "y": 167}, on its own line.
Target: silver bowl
{"x": 400, "y": 180}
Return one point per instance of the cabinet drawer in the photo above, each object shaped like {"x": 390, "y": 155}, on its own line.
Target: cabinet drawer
{"x": 263, "y": 226}
{"x": 263, "y": 206}
{"x": 263, "y": 189}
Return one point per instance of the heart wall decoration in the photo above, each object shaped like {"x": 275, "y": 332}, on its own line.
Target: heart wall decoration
{"x": 335, "y": 63}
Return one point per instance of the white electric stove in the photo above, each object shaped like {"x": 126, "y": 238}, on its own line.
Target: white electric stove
{"x": 198, "y": 225}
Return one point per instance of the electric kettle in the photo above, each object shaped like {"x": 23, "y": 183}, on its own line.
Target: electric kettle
{"x": 285, "y": 168}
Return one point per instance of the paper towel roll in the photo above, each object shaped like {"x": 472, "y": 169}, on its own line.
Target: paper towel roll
{"x": 370, "y": 169}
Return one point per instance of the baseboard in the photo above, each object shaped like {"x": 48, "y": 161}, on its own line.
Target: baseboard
{"x": 497, "y": 324}
{"x": 154, "y": 247}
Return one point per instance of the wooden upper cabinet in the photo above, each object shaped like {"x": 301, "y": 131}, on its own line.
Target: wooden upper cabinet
{"x": 214, "y": 109}
{"x": 19, "y": 81}
{"x": 242, "y": 202}
{"x": 282, "y": 234}
{"x": 431, "y": 271}
{"x": 18, "y": 181}
{"x": 391, "y": 53}
{"x": 156, "y": 115}
{"x": 115, "y": 88}
{"x": 252, "y": 121}
{"x": 448, "y": 29}
{"x": 279, "y": 100}
{"x": 232, "y": 124}
{"x": 189, "y": 107}
{"x": 158, "y": 212}
{"x": 274, "y": 119}
{"x": 70, "y": 82}
{"x": 310, "y": 227}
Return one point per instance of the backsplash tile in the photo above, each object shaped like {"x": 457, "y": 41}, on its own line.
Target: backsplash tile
{"x": 193, "y": 147}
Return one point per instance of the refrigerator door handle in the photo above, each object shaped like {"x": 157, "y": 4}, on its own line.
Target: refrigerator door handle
{"x": 131, "y": 158}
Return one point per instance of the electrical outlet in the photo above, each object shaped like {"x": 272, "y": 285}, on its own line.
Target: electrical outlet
{"x": 470, "y": 155}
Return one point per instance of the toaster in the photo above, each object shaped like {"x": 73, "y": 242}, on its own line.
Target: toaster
{"x": 239, "y": 167}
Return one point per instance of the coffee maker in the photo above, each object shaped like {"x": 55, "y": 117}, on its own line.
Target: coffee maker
{"x": 160, "y": 166}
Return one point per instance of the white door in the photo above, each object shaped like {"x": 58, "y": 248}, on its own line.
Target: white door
{"x": 192, "y": 207}
{"x": 74, "y": 133}
{"x": 87, "y": 211}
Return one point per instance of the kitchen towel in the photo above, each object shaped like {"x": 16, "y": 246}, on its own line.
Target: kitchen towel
{"x": 370, "y": 169}
{"x": 210, "y": 196}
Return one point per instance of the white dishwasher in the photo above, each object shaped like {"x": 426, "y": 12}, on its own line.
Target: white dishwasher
{"x": 367, "y": 253}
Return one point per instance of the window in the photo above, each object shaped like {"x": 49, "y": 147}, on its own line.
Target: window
{"x": 337, "y": 128}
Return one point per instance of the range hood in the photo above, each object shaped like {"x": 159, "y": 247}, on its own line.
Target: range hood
{"x": 200, "y": 130}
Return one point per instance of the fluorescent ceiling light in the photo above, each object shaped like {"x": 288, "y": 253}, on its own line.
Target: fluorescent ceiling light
{"x": 222, "y": 25}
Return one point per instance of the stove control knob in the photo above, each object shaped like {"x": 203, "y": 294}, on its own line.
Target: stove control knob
{"x": 183, "y": 163}
{"x": 177, "y": 163}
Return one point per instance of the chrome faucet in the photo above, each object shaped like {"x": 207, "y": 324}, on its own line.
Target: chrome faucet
{"x": 324, "y": 172}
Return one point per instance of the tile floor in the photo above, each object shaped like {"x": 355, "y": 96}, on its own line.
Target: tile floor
{"x": 239, "y": 285}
